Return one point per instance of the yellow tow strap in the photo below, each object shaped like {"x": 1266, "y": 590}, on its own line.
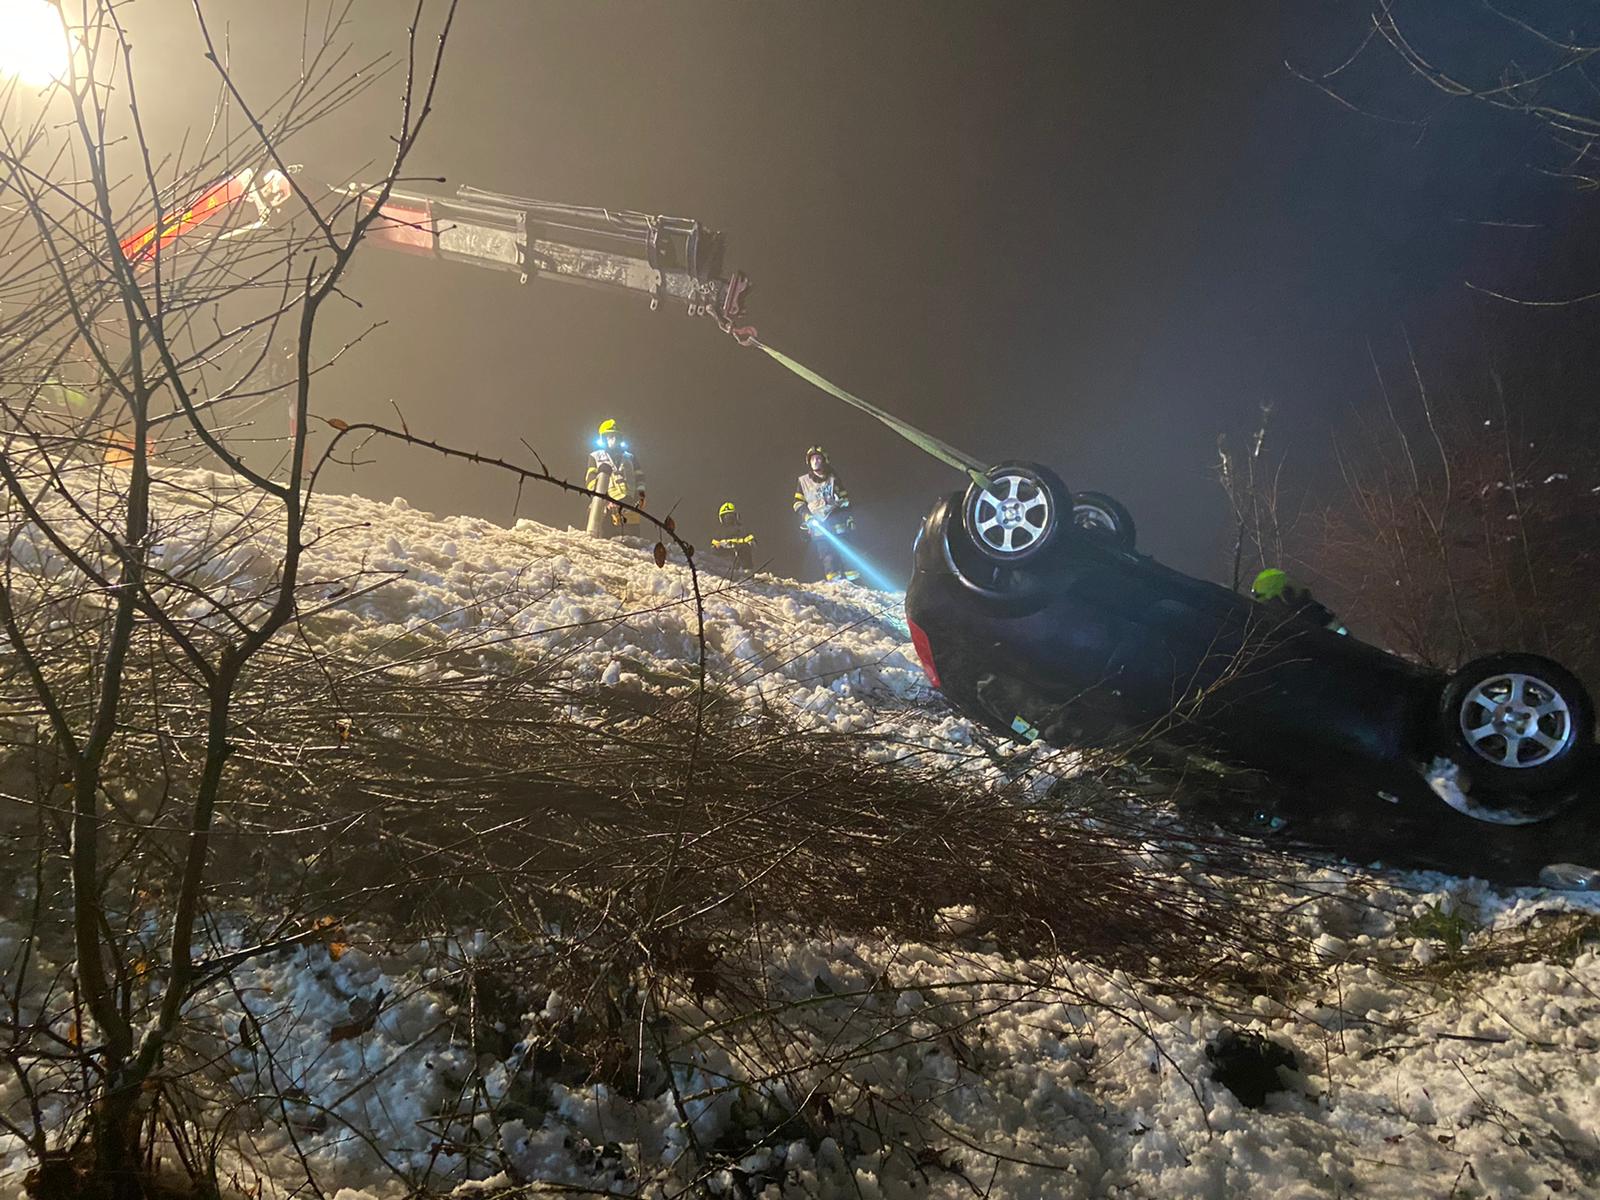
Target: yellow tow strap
{"x": 926, "y": 442}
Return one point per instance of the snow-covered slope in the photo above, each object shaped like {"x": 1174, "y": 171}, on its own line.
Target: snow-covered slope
{"x": 1479, "y": 1076}
{"x": 829, "y": 656}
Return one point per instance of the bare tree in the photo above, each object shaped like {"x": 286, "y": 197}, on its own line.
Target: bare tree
{"x": 1534, "y": 63}
{"x": 1252, "y": 482}
{"x": 126, "y": 352}
{"x": 1458, "y": 531}
{"x": 1465, "y": 519}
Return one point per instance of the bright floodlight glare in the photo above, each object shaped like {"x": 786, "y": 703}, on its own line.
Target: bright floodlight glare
{"x": 33, "y": 42}
{"x": 855, "y": 558}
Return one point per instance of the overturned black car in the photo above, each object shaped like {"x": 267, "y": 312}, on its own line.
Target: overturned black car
{"x": 1033, "y": 612}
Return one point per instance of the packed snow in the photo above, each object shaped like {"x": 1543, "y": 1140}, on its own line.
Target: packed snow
{"x": 830, "y": 656}
{"x": 1060, "y": 1080}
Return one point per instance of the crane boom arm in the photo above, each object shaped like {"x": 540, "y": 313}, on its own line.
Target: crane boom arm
{"x": 664, "y": 258}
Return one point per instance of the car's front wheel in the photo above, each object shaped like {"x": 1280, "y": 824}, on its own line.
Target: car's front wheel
{"x": 1016, "y": 517}
{"x": 1517, "y": 723}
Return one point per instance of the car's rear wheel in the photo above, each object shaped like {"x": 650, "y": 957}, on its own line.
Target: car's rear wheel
{"x": 1104, "y": 516}
{"x": 1517, "y": 723}
{"x": 1016, "y": 517}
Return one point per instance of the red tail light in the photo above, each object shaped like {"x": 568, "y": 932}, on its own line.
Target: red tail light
{"x": 924, "y": 652}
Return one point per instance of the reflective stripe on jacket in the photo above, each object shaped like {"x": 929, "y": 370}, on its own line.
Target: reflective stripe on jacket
{"x": 627, "y": 478}
{"x": 819, "y": 496}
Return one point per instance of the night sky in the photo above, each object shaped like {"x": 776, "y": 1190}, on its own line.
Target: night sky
{"x": 1094, "y": 234}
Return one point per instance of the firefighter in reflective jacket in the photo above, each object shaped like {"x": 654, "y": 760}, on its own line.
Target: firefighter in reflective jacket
{"x": 732, "y": 545}
{"x": 823, "y": 507}
{"x": 615, "y": 472}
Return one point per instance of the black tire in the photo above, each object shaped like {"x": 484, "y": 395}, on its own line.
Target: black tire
{"x": 1519, "y": 724}
{"x": 1036, "y": 495}
{"x": 1104, "y": 516}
